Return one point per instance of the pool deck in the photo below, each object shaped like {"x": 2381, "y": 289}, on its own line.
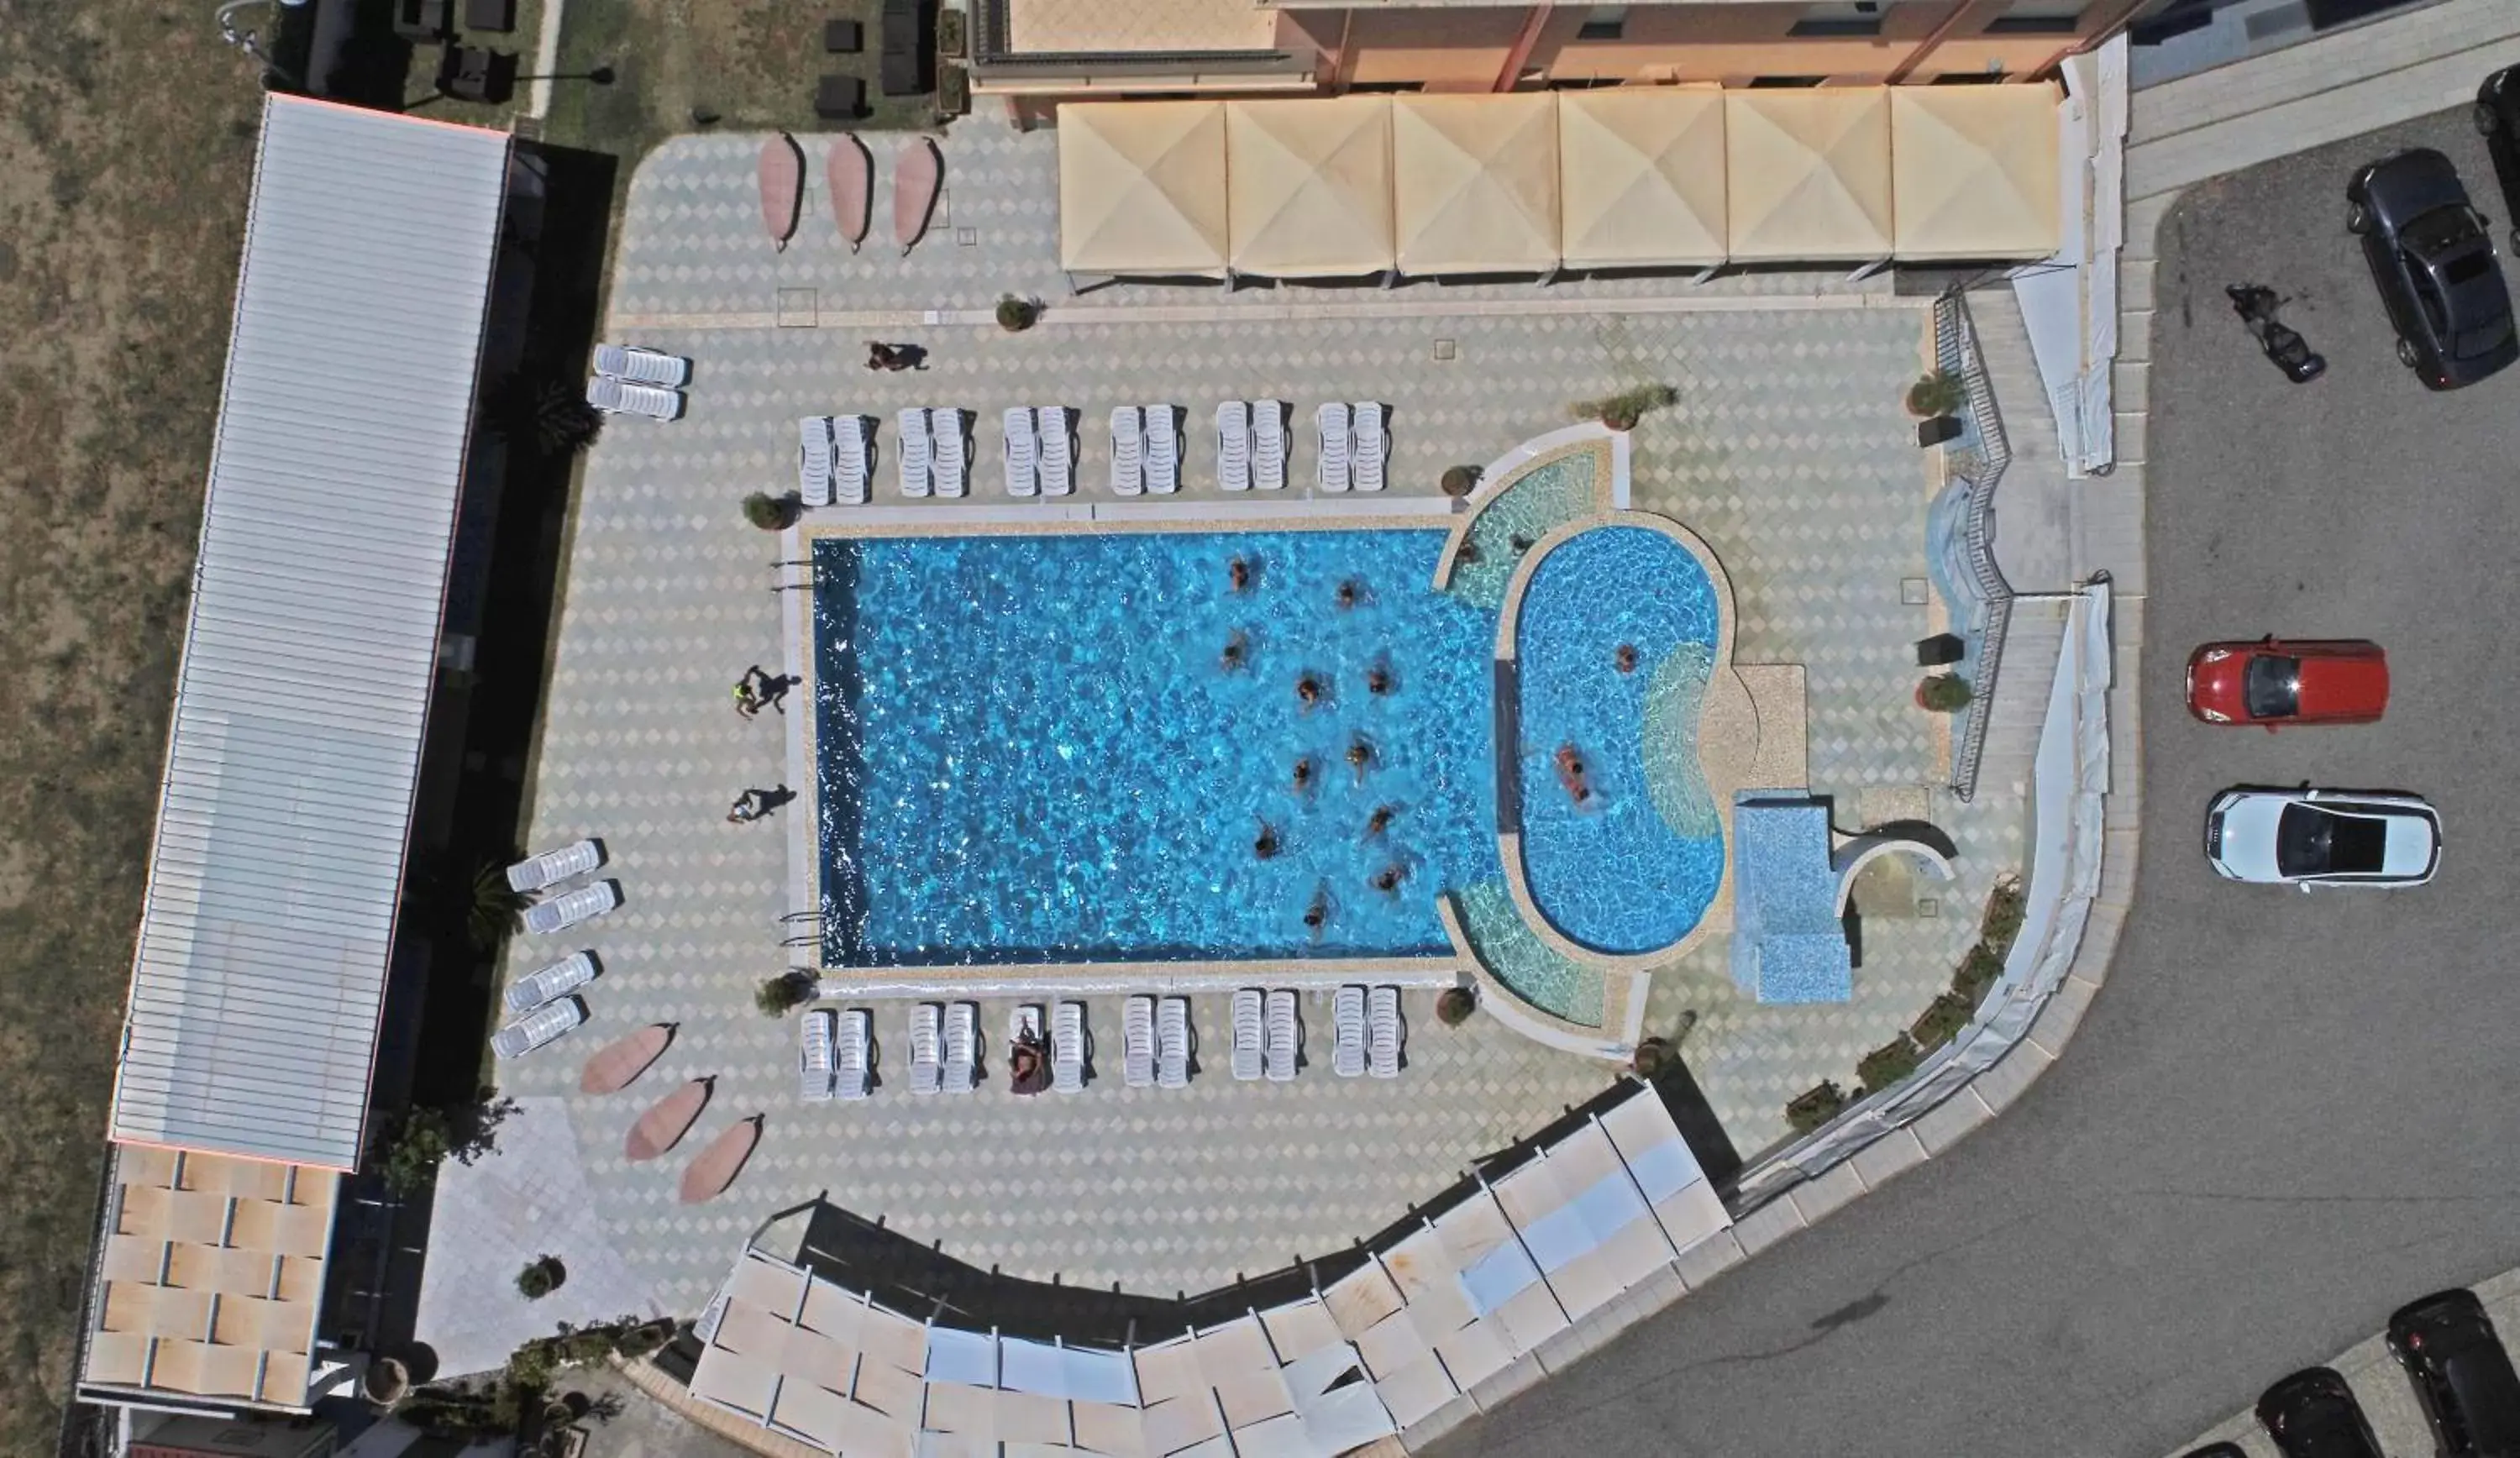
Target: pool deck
{"x": 1787, "y": 452}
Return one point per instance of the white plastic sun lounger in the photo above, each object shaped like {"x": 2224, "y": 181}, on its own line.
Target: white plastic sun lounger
{"x": 1283, "y": 1035}
{"x": 1067, "y": 1049}
{"x": 1371, "y": 446}
{"x": 1137, "y": 1041}
{"x": 1246, "y": 1033}
{"x": 912, "y": 455}
{"x": 1268, "y": 444}
{"x": 814, "y": 1056}
{"x": 1128, "y": 450}
{"x": 961, "y": 1047}
{"x": 1163, "y": 449}
{"x": 814, "y": 460}
{"x": 951, "y": 458}
{"x": 1057, "y": 450}
{"x": 1023, "y": 452}
{"x": 849, "y": 460}
{"x": 620, "y": 397}
{"x": 539, "y": 1029}
{"x": 1347, "y": 1024}
{"x": 557, "y": 980}
{"x": 641, "y": 366}
{"x": 552, "y": 867}
{"x": 1384, "y": 1034}
{"x": 1331, "y": 421}
{"x": 854, "y": 1055}
{"x": 1172, "y": 1044}
{"x": 585, "y": 903}
{"x": 1233, "y": 446}
{"x": 926, "y": 1067}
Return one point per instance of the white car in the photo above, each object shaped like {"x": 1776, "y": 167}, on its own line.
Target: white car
{"x": 2308, "y": 838}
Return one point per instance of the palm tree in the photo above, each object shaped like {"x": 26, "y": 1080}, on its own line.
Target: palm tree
{"x": 495, "y": 906}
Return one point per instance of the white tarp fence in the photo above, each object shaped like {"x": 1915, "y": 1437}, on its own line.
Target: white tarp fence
{"x": 2070, "y": 303}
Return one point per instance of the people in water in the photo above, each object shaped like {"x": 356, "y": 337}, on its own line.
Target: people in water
{"x": 1316, "y": 915}
{"x": 1238, "y": 573}
{"x": 1625, "y": 658}
{"x": 1469, "y": 551}
{"x": 1387, "y": 880}
{"x": 1519, "y": 542}
{"x": 1378, "y": 679}
{"x": 1237, "y": 653}
{"x": 1350, "y": 592}
{"x": 1360, "y": 753}
{"x": 1309, "y": 691}
{"x": 1571, "y": 775}
{"x": 1303, "y": 774}
{"x": 1265, "y": 844}
{"x": 1380, "y": 820}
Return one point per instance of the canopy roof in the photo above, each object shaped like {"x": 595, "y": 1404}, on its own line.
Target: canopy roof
{"x": 1309, "y": 185}
{"x": 1808, "y": 174}
{"x": 1142, "y": 187}
{"x": 1640, "y": 176}
{"x": 1475, "y": 182}
{"x": 1976, "y": 171}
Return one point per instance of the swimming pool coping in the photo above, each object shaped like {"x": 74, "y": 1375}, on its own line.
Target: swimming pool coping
{"x": 1609, "y": 449}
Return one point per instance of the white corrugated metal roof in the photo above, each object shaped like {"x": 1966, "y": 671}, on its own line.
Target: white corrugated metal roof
{"x": 313, "y": 636}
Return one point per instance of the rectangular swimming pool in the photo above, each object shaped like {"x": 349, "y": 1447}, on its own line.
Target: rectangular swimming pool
{"x": 1032, "y": 749}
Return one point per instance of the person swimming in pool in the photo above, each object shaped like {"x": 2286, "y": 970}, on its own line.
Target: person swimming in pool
{"x": 1378, "y": 679}
{"x": 1360, "y": 753}
{"x": 1309, "y": 691}
{"x": 1238, "y": 573}
{"x": 1380, "y": 820}
{"x": 1625, "y": 658}
{"x": 1316, "y": 916}
{"x": 1571, "y": 775}
{"x": 1265, "y": 844}
{"x": 1303, "y": 774}
{"x": 1387, "y": 880}
{"x": 1350, "y": 592}
{"x": 1237, "y": 653}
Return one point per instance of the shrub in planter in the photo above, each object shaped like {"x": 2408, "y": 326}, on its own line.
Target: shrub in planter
{"x": 1461, "y": 480}
{"x": 1455, "y": 1006}
{"x": 1622, "y": 410}
{"x": 770, "y": 514}
{"x": 1978, "y": 971}
{"x": 541, "y": 1278}
{"x": 1652, "y": 1058}
{"x": 1943, "y": 693}
{"x": 1938, "y": 392}
{"x": 2003, "y": 912}
{"x": 640, "y": 1341}
{"x": 1888, "y": 1064}
{"x": 1941, "y": 1021}
{"x": 779, "y": 995}
{"x": 1815, "y": 1107}
{"x": 949, "y": 34}
{"x": 1015, "y": 315}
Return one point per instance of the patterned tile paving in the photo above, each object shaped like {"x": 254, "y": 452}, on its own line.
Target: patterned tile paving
{"x": 1785, "y": 453}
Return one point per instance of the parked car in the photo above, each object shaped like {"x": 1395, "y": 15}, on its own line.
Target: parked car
{"x": 2218, "y": 1450}
{"x": 2310, "y": 838}
{"x": 2497, "y": 121}
{"x": 2272, "y": 682}
{"x": 2312, "y": 1414}
{"x": 2434, "y": 264}
{"x": 2461, "y": 1374}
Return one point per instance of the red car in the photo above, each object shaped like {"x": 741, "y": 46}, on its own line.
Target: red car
{"x": 2272, "y": 682}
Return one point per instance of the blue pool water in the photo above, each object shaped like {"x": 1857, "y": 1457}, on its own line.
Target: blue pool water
{"x": 1031, "y": 752}
{"x": 1616, "y": 873}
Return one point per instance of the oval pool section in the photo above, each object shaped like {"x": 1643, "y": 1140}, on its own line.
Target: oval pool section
{"x": 1632, "y": 866}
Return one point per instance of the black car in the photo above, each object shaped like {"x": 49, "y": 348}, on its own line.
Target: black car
{"x": 2434, "y": 263}
{"x": 2218, "y": 1450}
{"x": 2460, "y": 1372}
{"x": 2312, "y": 1414}
{"x": 2498, "y": 121}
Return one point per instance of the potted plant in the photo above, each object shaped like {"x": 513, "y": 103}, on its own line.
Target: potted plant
{"x": 1461, "y": 480}
{"x": 779, "y": 995}
{"x": 1651, "y": 1058}
{"x": 1943, "y": 693}
{"x": 1814, "y": 1107}
{"x": 1455, "y": 1006}
{"x": 1015, "y": 315}
{"x": 770, "y": 514}
{"x": 1936, "y": 392}
{"x": 541, "y": 1277}
{"x": 1622, "y": 410}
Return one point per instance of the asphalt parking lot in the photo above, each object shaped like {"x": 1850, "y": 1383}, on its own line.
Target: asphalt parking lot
{"x": 2285, "y": 1115}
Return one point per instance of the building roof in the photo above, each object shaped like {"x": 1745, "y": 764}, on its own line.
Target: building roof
{"x": 1156, "y": 26}
{"x": 1976, "y": 171}
{"x": 312, "y": 642}
{"x": 1141, "y": 187}
{"x": 212, "y": 1270}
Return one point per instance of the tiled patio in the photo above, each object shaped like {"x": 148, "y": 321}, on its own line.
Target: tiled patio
{"x": 1788, "y": 453}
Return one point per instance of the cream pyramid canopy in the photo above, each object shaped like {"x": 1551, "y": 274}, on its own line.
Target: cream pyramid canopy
{"x": 1309, "y": 184}
{"x": 1475, "y": 183}
{"x": 1808, "y": 174}
{"x": 1976, "y": 171}
{"x": 1141, "y": 187}
{"x": 1642, "y": 172}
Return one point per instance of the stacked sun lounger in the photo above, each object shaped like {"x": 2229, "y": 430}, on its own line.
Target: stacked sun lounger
{"x": 1057, "y": 438}
{"x": 1172, "y": 1044}
{"x": 636, "y": 381}
{"x": 853, "y": 1075}
{"x": 814, "y": 1068}
{"x": 1347, "y": 1032}
{"x": 1368, "y": 446}
{"x": 1383, "y": 1032}
{"x": 926, "y": 1047}
{"x": 641, "y": 366}
{"x": 551, "y": 867}
{"x": 1067, "y": 1049}
{"x": 1268, "y": 444}
{"x": 1128, "y": 450}
{"x": 540, "y": 1027}
{"x": 1137, "y": 1042}
{"x": 911, "y": 457}
{"x": 1247, "y": 1030}
{"x": 1022, "y": 452}
{"x": 621, "y": 397}
{"x": 961, "y": 1047}
{"x": 1281, "y": 1034}
{"x": 950, "y": 455}
{"x": 1233, "y": 446}
{"x": 1163, "y": 450}
{"x": 814, "y": 460}
{"x": 583, "y": 904}
{"x": 1336, "y": 443}
{"x": 544, "y": 984}
{"x": 849, "y": 460}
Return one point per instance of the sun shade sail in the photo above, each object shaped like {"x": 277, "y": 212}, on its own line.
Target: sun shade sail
{"x": 1808, "y": 174}
{"x": 1974, "y": 171}
{"x": 1642, "y": 177}
{"x": 1309, "y": 183}
{"x": 1141, "y": 187}
{"x": 1475, "y": 182}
